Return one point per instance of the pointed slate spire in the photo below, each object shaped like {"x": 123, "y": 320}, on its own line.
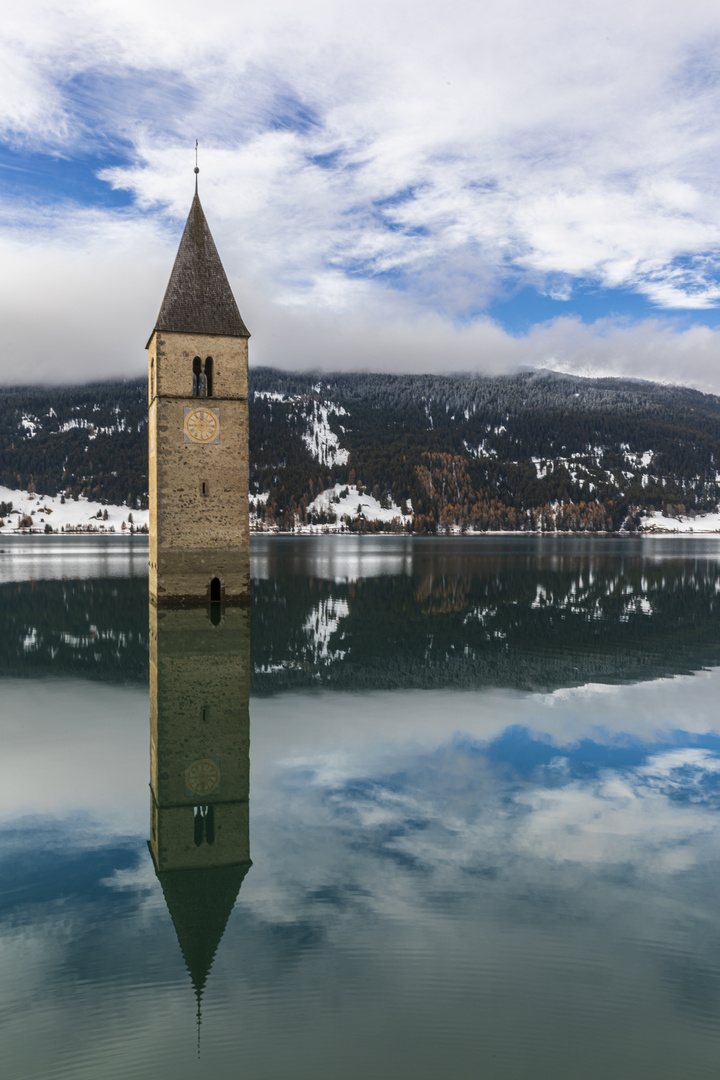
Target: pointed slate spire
{"x": 198, "y": 299}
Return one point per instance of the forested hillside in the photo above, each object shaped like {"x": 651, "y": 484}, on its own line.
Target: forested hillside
{"x": 427, "y": 453}
{"x": 536, "y": 450}
{"x": 89, "y": 440}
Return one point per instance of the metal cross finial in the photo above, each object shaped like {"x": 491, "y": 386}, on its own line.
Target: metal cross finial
{"x": 196, "y": 170}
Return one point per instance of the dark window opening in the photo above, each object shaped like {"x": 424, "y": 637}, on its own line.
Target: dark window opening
{"x": 152, "y": 378}
{"x": 197, "y": 377}
{"x": 204, "y": 825}
{"x": 215, "y": 595}
{"x": 209, "y": 376}
{"x": 204, "y": 488}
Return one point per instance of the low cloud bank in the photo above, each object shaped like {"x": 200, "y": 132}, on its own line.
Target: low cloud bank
{"x": 80, "y": 315}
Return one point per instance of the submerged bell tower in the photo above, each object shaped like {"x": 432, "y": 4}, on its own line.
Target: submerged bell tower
{"x": 199, "y": 773}
{"x": 198, "y": 431}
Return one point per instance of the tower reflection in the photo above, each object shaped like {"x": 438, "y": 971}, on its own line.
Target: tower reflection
{"x": 199, "y": 773}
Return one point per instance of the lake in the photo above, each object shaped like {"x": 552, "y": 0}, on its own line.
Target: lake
{"x": 429, "y": 808}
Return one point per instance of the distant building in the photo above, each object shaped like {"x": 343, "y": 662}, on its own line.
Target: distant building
{"x": 198, "y": 431}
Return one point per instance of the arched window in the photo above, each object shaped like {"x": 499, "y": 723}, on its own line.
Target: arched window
{"x": 204, "y": 825}
{"x": 215, "y": 595}
{"x": 197, "y": 377}
{"x": 198, "y": 824}
{"x": 209, "y": 376}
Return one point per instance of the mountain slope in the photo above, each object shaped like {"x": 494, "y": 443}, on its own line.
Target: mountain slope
{"x": 526, "y": 451}
{"x": 367, "y": 452}
{"x": 89, "y": 440}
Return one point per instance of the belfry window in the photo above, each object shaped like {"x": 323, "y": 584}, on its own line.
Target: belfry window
{"x": 204, "y": 825}
{"x": 198, "y": 379}
{"x": 202, "y": 377}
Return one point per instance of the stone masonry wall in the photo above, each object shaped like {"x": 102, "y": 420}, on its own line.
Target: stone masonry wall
{"x": 199, "y": 690}
{"x": 198, "y": 533}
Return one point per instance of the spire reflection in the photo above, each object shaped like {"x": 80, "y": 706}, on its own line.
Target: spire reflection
{"x": 199, "y": 773}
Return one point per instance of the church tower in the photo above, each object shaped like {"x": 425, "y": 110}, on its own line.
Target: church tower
{"x": 198, "y": 431}
{"x": 199, "y": 773}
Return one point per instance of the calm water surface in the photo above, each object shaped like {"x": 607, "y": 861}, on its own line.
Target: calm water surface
{"x": 452, "y": 809}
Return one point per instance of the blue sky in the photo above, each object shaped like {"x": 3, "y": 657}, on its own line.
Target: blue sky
{"x": 398, "y": 187}
{"x": 52, "y": 179}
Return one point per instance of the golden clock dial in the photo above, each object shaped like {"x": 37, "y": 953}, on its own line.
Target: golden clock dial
{"x": 202, "y": 776}
{"x": 202, "y": 425}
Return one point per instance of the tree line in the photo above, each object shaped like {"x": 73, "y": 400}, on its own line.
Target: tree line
{"x": 532, "y": 451}
{"x": 523, "y": 452}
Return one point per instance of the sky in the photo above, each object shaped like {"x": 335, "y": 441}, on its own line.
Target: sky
{"x": 392, "y": 186}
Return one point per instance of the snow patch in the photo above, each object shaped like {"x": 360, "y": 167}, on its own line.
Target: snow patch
{"x": 541, "y": 467}
{"x": 69, "y": 516}
{"x": 320, "y": 439}
{"x": 270, "y": 395}
{"x": 257, "y": 522}
{"x": 321, "y": 624}
{"x": 640, "y": 461}
{"x": 31, "y": 424}
{"x": 702, "y": 523}
{"x": 481, "y": 450}
{"x": 342, "y": 500}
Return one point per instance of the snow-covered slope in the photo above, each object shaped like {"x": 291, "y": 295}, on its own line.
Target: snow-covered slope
{"x": 332, "y": 509}
{"x": 70, "y": 516}
{"x": 701, "y": 523}
{"x": 477, "y": 453}
{"x": 314, "y": 414}
{"x": 335, "y": 505}
{"x": 343, "y": 501}
{"x": 320, "y": 439}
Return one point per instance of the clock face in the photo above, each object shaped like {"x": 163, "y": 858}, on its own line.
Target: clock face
{"x": 202, "y": 777}
{"x": 202, "y": 425}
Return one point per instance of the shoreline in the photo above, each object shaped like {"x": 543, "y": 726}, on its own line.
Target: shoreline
{"x": 144, "y": 537}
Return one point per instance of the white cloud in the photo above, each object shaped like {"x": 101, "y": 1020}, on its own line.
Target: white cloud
{"x": 371, "y": 175}
{"x": 80, "y": 305}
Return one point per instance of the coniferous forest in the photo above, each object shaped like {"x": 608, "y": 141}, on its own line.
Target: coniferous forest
{"x": 531, "y": 451}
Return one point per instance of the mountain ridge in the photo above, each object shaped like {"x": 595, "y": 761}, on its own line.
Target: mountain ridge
{"x": 533, "y": 451}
